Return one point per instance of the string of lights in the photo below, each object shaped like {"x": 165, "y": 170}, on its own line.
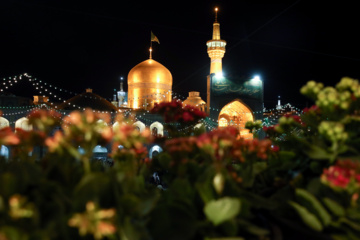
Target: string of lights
{"x": 53, "y": 91}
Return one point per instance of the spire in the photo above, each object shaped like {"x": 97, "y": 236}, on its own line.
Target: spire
{"x": 150, "y": 50}
{"x": 216, "y": 10}
{"x": 216, "y": 47}
{"x": 216, "y": 27}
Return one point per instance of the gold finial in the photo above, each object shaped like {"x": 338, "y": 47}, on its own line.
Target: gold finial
{"x": 216, "y": 10}
{"x": 150, "y": 52}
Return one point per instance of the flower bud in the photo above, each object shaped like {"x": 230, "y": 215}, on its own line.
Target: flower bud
{"x": 218, "y": 183}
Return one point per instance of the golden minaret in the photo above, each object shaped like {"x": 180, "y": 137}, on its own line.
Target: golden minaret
{"x": 216, "y": 47}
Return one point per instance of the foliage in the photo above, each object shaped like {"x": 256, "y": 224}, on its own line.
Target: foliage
{"x": 301, "y": 182}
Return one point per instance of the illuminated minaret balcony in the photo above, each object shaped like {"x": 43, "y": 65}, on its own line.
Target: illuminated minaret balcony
{"x": 216, "y": 47}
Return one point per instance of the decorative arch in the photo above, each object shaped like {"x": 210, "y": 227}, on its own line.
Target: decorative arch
{"x": 159, "y": 128}
{"x": 23, "y": 123}
{"x": 4, "y": 123}
{"x": 154, "y": 150}
{"x": 140, "y": 126}
{"x": 236, "y": 113}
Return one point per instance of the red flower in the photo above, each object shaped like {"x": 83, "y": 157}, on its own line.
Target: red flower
{"x": 187, "y": 117}
{"x": 342, "y": 174}
{"x": 275, "y": 148}
{"x": 175, "y": 112}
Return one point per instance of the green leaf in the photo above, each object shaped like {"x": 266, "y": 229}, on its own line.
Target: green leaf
{"x": 317, "y": 207}
{"x": 206, "y": 191}
{"x": 318, "y": 153}
{"x": 221, "y": 210}
{"x": 308, "y": 218}
{"x": 253, "y": 229}
{"x": 258, "y": 167}
{"x": 334, "y": 207}
{"x": 352, "y": 224}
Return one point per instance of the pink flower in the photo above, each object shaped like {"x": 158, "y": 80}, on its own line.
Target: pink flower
{"x": 54, "y": 142}
{"x": 73, "y": 118}
{"x": 7, "y": 137}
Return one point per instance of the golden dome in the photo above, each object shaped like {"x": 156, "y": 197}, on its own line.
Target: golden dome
{"x": 149, "y": 82}
{"x": 150, "y": 71}
{"x": 195, "y": 100}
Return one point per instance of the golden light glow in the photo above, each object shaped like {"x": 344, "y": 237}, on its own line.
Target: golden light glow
{"x": 148, "y": 82}
{"x": 223, "y": 122}
{"x": 236, "y": 114}
{"x": 216, "y": 9}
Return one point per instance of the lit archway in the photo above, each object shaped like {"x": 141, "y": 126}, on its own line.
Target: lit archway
{"x": 154, "y": 150}
{"x": 23, "y": 123}
{"x": 140, "y": 126}
{"x": 159, "y": 128}
{"x": 4, "y": 122}
{"x": 236, "y": 114}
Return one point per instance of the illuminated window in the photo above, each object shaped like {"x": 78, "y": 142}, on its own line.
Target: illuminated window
{"x": 223, "y": 122}
{"x": 155, "y": 150}
{"x": 140, "y": 126}
{"x": 23, "y": 123}
{"x": 236, "y": 114}
{"x": 154, "y": 131}
{"x": 3, "y": 122}
{"x": 159, "y": 128}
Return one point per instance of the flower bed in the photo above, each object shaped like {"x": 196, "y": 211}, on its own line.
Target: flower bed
{"x": 301, "y": 182}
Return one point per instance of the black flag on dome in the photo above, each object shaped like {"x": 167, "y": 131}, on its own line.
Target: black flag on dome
{"x": 154, "y": 38}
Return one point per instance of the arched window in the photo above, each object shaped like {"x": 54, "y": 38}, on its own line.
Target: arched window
{"x": 157, "y": 128}
{"x": 140, "y": 126}
{"x": 23, "y": 123}
{"x": 154, "y": 150}
{"x": 3, "y": 122}
{"x": 154, "y": 131}
{"x": 236, "y": 114}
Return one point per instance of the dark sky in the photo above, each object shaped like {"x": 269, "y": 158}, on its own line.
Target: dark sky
{"x": 75, "y": 45}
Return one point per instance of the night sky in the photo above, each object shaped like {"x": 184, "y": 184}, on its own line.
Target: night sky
{"x": 75, "y": 45}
